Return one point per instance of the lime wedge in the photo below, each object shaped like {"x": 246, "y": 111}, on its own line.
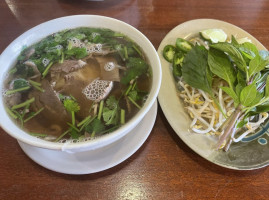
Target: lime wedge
{"x": 215, "y": 35}
{"x": 243, "y": 40}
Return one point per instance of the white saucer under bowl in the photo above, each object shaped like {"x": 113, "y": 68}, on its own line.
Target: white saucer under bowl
{"x": 88, "y": 162}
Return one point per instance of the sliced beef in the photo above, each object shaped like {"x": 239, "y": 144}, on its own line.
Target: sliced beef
{"x": 67, "y": 66}
{"x": 74, "y": 82}
{"x": 54, "y": 111}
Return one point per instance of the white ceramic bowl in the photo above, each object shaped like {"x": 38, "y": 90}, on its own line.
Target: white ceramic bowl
{"x": 10, "y": 54}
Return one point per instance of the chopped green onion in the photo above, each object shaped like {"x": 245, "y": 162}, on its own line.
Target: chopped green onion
{"x": 17, "y": 90}
{"x": 13, "y": 70}
{"x": 46, "y": 71}
{"x": 109, "y": 130}
{"x": 137, "y": 50}
{"x": 134, "y": 102}
{"x": 19, "y": 116}
{"x": 38, "y": 134}
{"x": 87, "y": 123}
{"x": 73, "y": 117}
{"x": 61, "y": 136}
{"x": 62, "y": 58}
{"x": 118, "y": 35}
{"x": 93, "y": 134}
{"x": 69, "y": 46}
{"x": 23, "y": 104}
{"x": 125, "y": 52}
{"x": 134, "y": 84}
{"x": 84, "y": 121}
{"x": 73, "y": 127}
{"x": 24, "y": 110}
{"x": 122, "y": 116}
{"x": 36, "y": 113}
{"x": 128, "y": 90}
{"x": 100, "y": 109}
{"x": 11, "y": 113}
{"x": 73, "y": 98}
{"x": 34, "y": 83}
{"x": 38, "y": 88}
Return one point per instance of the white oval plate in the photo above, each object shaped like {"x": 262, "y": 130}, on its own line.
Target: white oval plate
{"x": 241, "y": 156}
{"x": 97, "y": 160}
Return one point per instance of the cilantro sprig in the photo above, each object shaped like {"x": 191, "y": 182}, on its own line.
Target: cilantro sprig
{"x": 72, "y": 107}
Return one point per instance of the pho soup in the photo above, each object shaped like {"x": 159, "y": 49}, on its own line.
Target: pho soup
{"x": 77, "y": 84}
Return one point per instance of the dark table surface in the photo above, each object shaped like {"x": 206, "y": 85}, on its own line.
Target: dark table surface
{"x": 164, "y": 167}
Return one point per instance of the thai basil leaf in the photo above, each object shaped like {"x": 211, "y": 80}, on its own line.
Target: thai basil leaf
{"x": 260, "y": 80}
{"x": 257, "y": 64}
{"x": 233, "y": 52}
{"x": 266, "y": 95}
{"x": 265, "y": 99}
{"x": 249, "y": 50}
{"x": 257, "y": 77}
{"x": 195, "y": 69}
{"x": 238, "y": 89}
{"x": 258, "y": 98}
{"x": 231, "y": 93}
{"x": 263, "y": 107}
{"x": 242, "y": 123}
{"x": 241, "y": 82}
{"x": 258, "y": 109}
{"x": 220, "y": 65}
{"x": 234, "y": 42}
{"x": 248, "y": 94}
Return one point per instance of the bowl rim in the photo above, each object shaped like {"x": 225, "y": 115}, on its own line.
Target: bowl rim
{"x": 8, "y": 125}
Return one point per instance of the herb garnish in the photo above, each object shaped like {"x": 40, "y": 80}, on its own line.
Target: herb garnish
{"x": 242, "y": 66}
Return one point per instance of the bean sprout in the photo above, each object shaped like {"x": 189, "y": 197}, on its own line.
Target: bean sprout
{"x": 206, "y": 117}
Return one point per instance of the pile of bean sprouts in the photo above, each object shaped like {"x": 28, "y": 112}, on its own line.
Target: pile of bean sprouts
{"x": 207, "y": 118}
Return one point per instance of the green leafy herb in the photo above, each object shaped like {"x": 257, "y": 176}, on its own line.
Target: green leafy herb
{"x": 46, "y": 71}
{"x": 135, "y": 68}
{"x": 78, "y": 53}
{"x": 111, "y": 111}
{"x": 122, "y": 116}
{"x": 195, "y": 69}
{"x": 33, "y": 115}
{"x": 242, "y": 66}
{"x": 257, "y": 64}
{"x": 19, "y": 85}
{"x": 95, "y": 127}
{"x": 248, "y": 50}
{"x": 220, "y": 65}
{"x": 232, "y": 94}
{"x": 23, "y": 70}
{"x": 248, "y": 94}
{"x": 233, "y": 52}
{"x": 23, "y": 104}
{"x": 72, "y": 107}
